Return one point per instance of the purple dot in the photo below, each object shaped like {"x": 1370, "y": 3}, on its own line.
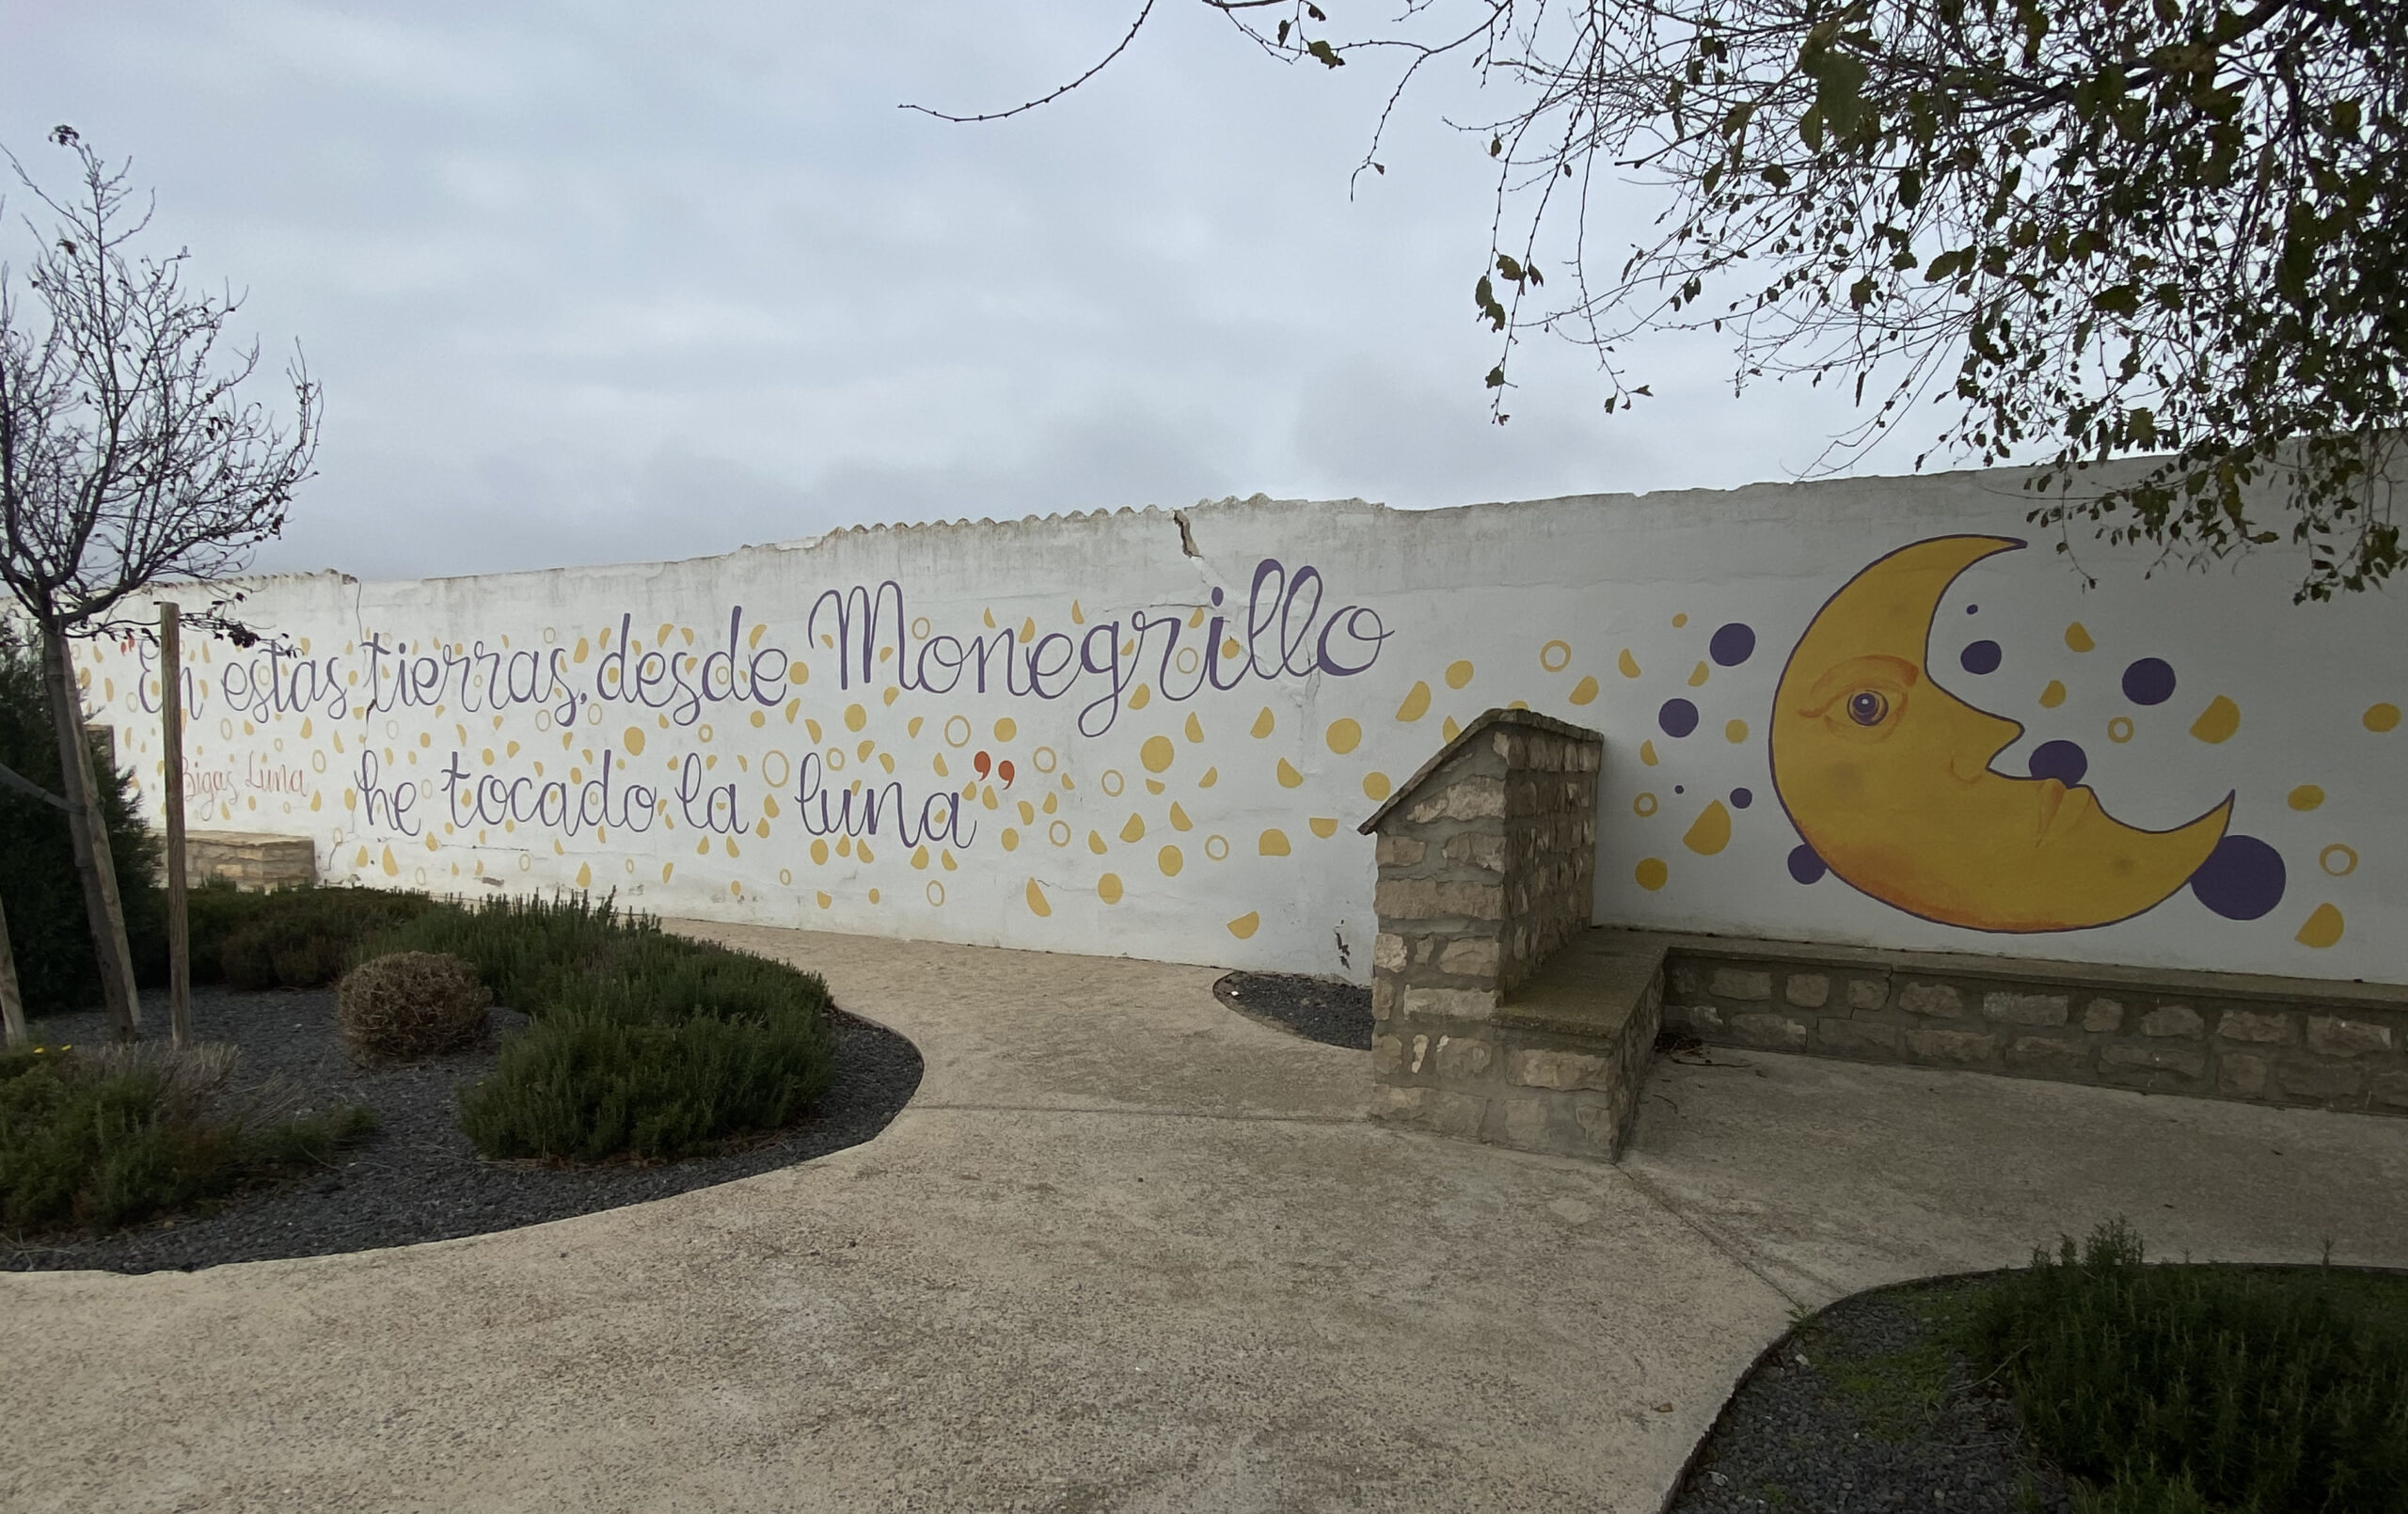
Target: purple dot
{"x": 1804, "y": 865}
{"x": 1678, "y": 717}
{"x": 2241, "y": 879}
{"x": 1741, "y": 798}
{"x": 1973, "y": 609}
{"x": 2060, "y": 760}
{"x": 1678, "y": 789}
{"x": 2149, "y": 681}
{"x": 1980, "y": 657}
{"x": 1731, "y": 645}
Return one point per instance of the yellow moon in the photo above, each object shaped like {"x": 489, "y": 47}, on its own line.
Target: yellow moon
{"x": 1888, "y": 777}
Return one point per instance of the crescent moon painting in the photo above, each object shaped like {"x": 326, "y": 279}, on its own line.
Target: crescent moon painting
{"x": 1887, "y": 776}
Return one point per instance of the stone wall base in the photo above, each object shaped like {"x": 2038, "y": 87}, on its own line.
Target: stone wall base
{"x": 2300, "y": 1042}
{"x": 250, "y": 858}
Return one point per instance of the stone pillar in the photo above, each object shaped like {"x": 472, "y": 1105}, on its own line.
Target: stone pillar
{"x": 1487, "y": 860}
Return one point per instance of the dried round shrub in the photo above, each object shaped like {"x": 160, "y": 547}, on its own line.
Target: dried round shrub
{"x": 411, "y": 1005}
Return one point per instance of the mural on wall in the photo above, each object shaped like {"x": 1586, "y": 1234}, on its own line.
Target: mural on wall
{"x": 1091, "y": 734}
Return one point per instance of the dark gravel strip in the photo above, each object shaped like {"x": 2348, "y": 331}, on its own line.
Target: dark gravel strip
{"x": 417, "y": 1179}
{"x": 1318, "y": 1009}
{"x": 1831, "y": 1422}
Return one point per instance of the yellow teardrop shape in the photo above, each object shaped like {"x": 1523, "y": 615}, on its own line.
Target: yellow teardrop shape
{"x": 1628, "y": 663}
{"x": 1178, "y": 820}
{"x": 2079, "y": 638}
{"x": 2052, "y": 696}
{"x": 1698, "y": 675}
{"x": 2322, "y": 930}
{"x": 1324, "y": 828}
{"x": 1273, "y": 843}
{"x": 2218, "y": 721}
{"x": 1194, "y": 727}
{"x": 1262, "y": 724}
{"x": 1647, "y": 752}
{"x": 1037, "y": 905}
{"x": 1584, "y": 691}
{"x": 1417, "y": 703}
{"x": 1288, "y": 777}
{"x": 1134, "y": 830}
{"x": 1711, "y": 832}
{"x": 1247, "y": 925}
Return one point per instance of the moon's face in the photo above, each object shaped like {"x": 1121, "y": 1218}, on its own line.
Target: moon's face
{"x": 1887, "y": 775}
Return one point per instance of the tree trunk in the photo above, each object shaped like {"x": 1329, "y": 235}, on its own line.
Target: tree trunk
{"x": 93, "y": 863}
{"x": 12, "y": 1006}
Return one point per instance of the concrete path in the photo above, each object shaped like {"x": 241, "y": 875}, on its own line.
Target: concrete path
{"x": 1128, "y": 1251}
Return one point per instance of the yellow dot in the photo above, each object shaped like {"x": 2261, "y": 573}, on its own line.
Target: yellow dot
{"x": 2120, "y": 730}
{"x": 2337, "y": 859}
{"x": 1322, "y": 826}
{"x": 2218, "y": 721}
{"x": 2052, "y": 696}
{"x": 1584, "y": 690}
{"x": 2306, "y": 796}
{"x": 1274, "y": 843}
{"x": 1647, "y": 752}
{"x": 1375, "y": 786}
{"x": 2078, "y": 639}
{"x": 2382, "y": 717}
{"x": 873, "y": 896}
{"x": 1195, "y": 727}
{"x": 1262, "y": 724}
{"x": 2322, "y": 930}
{"x": 1157, "y": 753}
{"x": 1710, "y": 832}
{"x": 820, "y": 851}
{"x": 1679, "y": 621}
{"x": 1651, "y": 873}
{"x": 1643, "y": 806}
{"x": 1288, "y": 777}
{"x": 1458, "y": 674}
{"x": 1735, "y": 732}
{"x": 1006, "y": 729}
{"x": 1010, "y": 839}
{"x": 1417, "y": 703}
{"x": 631, "y": 739}
{"x": 1107, "y": 888}
{"x": 1035, "y": 896}
{"x": 1170, "y": 861}
{"x": 1344, "y": 735}
{"x": 855, "y": 717}
{"x": 1247, "y": 925}
{"x": 1556, "y": 656}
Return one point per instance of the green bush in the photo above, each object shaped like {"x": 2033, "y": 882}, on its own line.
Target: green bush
{"x": 2185, "y": 1390}
{"x": 57, "y": 968}
{"x": 642, "y": 1044}
{"x": 100, "y": 1139}
{"x": 297, "y": 938}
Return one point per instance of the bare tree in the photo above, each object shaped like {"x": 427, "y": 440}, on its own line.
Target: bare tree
{"x": 126, "y": 459}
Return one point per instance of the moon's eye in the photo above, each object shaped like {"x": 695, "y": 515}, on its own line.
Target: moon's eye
{"x": 1868, "y": 707}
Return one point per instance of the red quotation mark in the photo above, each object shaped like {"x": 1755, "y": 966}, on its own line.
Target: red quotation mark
{"x": 984, "y": 763}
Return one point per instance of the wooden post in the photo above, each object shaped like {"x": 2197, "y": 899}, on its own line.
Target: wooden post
{"x": 13, "y": 1006}
{"x": 91, "y": 835}
{"x": 171, "y": 718}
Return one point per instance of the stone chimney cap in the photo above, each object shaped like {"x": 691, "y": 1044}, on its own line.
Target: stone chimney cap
{"x": 1481, "y": 723}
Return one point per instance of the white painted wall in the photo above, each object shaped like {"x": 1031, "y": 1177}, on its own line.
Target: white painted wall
{"x": 1216, "y": 825}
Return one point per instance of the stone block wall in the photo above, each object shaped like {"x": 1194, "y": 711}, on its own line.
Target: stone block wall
{"x": 250, "y": 860}
{"x": 1487, "y": 863}
{"x": 2296, "y": 1042}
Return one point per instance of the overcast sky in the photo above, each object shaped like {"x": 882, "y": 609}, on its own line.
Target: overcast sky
{"x": 604, "y": 281}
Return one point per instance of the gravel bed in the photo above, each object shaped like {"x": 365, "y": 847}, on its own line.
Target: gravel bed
{"x": 417, "y": 1179}
{"x": 1318, "y": 1009}
{"x": 1829, "y": 1421}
